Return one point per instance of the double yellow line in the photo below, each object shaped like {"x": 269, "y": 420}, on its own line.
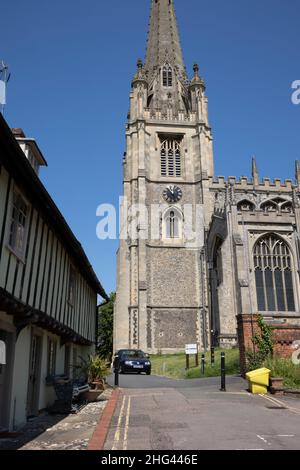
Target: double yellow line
{"x": 280, "y": 403}
{"x": 122, "y": 426}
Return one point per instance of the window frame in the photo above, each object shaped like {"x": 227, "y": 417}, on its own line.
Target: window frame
{"x": 167, "y": 76}
{"x": 33, "y": 161}
{"x": 171, "y": 161}
{"x": 167, "y": 231}
{"x": 12, "y": 232}
{"x": 273, "y": 290}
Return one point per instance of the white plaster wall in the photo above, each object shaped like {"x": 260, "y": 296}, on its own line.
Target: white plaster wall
{"x": 20, "y": 379}
{"x": 21, "y": 370}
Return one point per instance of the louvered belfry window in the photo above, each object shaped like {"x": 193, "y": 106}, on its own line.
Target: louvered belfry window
{"x": 273, "y": 275}
{"x": 170, "y": 158}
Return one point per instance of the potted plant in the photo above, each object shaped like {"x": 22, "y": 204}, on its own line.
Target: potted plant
{"x": 95, "y": 370}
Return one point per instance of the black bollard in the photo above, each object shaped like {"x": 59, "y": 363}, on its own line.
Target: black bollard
{"x": 203, "y": 364}
{"x": 212, "y": 352}
{"x": 223, "y": 373}
{"x": 117, "y": 372}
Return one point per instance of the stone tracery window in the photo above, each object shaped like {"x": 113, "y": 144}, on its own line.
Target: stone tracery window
{"x": 170, "y": 158}
{"x": 167, "y": 76}
{"x": 273, "y": 275}
{"x": 172, "y": 224}
{"x": 217, "y": 261}
{"x": 277, "y": 204}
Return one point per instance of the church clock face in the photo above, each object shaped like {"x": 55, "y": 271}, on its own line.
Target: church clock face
{"x": 172, "y": 194}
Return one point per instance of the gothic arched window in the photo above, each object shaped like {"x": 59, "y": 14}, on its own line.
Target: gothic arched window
{"x": 167, "y": 76}
{"x": 170, "y": 158}
{"x": 246, "y": 205}
{"x": 273, "y": 275}
{"x": 217, "y": 260}
{"x": 172, "y": 224}
{"x": 269, "y": 206}
{"x": 287, "y": 207}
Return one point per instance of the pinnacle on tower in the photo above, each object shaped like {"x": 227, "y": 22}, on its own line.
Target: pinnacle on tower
{"x": 297, "y": 172}
{"x": 255, "y": 174}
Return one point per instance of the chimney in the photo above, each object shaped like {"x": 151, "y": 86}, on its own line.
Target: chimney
{"x": 18, "y": 133}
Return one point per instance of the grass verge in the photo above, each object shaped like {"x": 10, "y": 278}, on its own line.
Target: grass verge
{"x": 286, "y": 369}
{"x": 173, "y": 365}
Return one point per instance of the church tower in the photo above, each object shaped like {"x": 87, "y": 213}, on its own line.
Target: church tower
{"x": 162, "y": 286}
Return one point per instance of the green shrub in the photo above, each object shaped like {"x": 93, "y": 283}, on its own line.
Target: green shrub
{"x": 284, "y": 368}
{"x": 94, "y": 368}
{"x": 263, "y": 346}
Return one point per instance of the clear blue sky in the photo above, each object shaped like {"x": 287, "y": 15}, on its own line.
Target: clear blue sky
{"x": 72, "y": 64}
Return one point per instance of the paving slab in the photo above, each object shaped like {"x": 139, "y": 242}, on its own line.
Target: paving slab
{"x": 59, "y": 432}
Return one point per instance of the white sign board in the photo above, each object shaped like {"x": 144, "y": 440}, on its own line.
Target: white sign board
{"x": 2, "y": 353}
{"x": 191, "y": 349}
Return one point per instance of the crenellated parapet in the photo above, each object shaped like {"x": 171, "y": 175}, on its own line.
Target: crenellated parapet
{"x": 269, "y": 197}
{"x": 220, "y": 182}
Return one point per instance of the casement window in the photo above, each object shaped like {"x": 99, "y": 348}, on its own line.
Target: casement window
{"x": 51, "y": 357}
{"x": 273, "y": 275}
{"x": 18, "y": 225}
{"x": 72, "y": 286}
{"x": 167, "y": 76}
{"x": 170, "y": 158}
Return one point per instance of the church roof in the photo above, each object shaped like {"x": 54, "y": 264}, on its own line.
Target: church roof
{"x": 163, "y": 38}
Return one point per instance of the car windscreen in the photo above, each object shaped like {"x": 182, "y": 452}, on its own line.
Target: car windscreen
{"x": 137, "y": 354}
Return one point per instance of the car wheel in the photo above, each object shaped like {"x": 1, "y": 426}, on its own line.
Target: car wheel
{"x": 148, "y": 372}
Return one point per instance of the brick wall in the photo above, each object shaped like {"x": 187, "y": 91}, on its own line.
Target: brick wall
{"x": 284, "y": 335}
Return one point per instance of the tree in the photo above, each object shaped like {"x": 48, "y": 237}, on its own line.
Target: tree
{"x": 105, "y": 327}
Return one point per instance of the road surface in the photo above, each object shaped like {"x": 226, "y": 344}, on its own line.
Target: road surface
{"x": 155, "y": 413}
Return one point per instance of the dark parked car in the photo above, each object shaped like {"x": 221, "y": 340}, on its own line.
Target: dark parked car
{"x": 131, "y": 360}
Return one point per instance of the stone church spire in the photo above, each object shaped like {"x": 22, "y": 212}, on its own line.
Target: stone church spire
{"x": 163, "y": 39}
